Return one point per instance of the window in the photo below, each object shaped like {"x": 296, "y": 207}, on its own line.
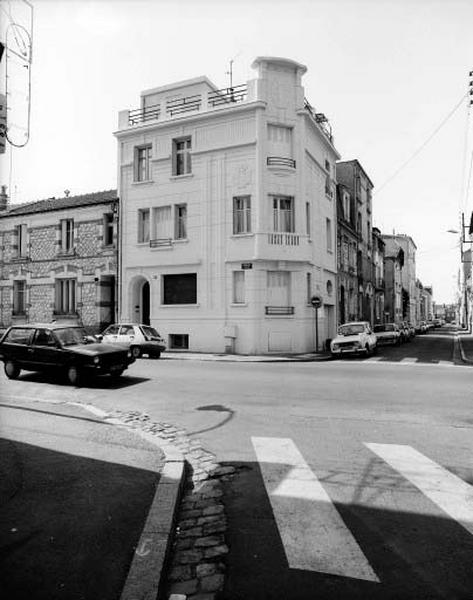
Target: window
{"x": 346, "y": 206}
{"x": 241, "y": 214}
{"x": 19, "y": 297}
{"x": 328, "y": 225}
{"x": 307, "y": 218}
{"x": 181, "y": 156}
{"x": 20, "y": 233}
{"x": 238, "y": 287}
{"x": 108, "y": 228}
{"x": 309, "y": 286}
{"x": 162, "y": 223}
{"x": 328, "y": 182}
{"x": 44, "y": 337}
{"x": 278, "y": 286}
{"x": 143, "y": 163}
{"x": 180, "y": 288}
{"x": 180, "y": 221}
{"x": 67, "y": 235}
{"x": 143, "y": 225}
{"x": 65, "y": 296}
{"x": 179, "y": 341}
{"x": 283, "y": 214}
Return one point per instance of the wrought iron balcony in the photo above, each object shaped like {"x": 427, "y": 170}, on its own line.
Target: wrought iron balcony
{"x": 160, "y": 242}
{"x": 283, "y": 239}
{"x": 280, "y": 161}
{"x": 229, "y": 95}
{"x": 183, "y": 105}
{"x": 279, "y": 310}
{"x": 141, "y": 115}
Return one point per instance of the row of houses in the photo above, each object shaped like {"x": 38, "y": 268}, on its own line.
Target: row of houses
{"x": 232, "y": 212}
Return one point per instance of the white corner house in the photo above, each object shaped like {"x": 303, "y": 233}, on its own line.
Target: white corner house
{"x": 228, "y": 214}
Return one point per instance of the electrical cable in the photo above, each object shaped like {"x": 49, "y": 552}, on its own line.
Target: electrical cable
{"x": 431, "y": 136}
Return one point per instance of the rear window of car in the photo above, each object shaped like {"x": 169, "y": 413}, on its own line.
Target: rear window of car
{"x": 149, "y": 331}
{"x": 18, "y": 335}
{"x": 127, "y": 330}
{"x": 379, "y": 328}
{"x": 112, "y": 330}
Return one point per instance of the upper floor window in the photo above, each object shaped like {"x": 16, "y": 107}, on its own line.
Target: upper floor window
{"x": 346, "y": 206}
{"x": 162, "y": 223}
{"x": 143, "y": 225}
{"x": 307, "y": 218}
{"x": 21, "y": 245}
{"x": 242, "y": 214}
{"x": 67, "y": 235}
{"x": 143, "y": 163}
{"x": 108, "y": 228}
{"x": 328, "y": 225}
{"x": 283, "y": 214}
{"x": 180, "y": 221}
{"x": 19, "y": 297}
{"x": 65, "y": 297}
{"x": 309, "y": 287}
{"x": 181, "y": 157}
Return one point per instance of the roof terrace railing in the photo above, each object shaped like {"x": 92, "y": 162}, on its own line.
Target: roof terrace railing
{"x": 320, "y": 119}
{"x": 228, "y": 95}
{"x": 183, "y": 105}
{"x": 141, "y": 115}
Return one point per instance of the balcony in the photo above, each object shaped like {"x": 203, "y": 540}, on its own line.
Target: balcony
{"x": 189, "y": 104}
{"x": 320, "y": 119}
{"x": 283, "y": 239}
{"x": 160, "y": 243}
{"x": 279, "y": 310}
{"x": 280, "y": 161}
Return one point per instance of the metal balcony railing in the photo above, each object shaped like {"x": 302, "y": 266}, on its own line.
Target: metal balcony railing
{"x": 183, "y": 105}
{"x": 141, "y": 115}
{"x": 279, "y": 310}
{"x": 320, "y": 119}
{"x": 229, "y": 95}
{"x": 159, "y": 242}
{"x": 283, "y": 239}
{"x": 280, "y": 161}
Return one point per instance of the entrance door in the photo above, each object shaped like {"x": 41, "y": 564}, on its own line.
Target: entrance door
{"x": 145, "y": 304}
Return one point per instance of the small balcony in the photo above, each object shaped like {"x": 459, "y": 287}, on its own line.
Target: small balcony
{"x": 283, "y": 239}
{"x": 279, "y": 310}
{"x": 160, "y": 243}
{"x": 280, "y": 161}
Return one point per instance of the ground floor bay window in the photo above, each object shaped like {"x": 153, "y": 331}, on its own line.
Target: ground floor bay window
{"x": 65, "y": 297}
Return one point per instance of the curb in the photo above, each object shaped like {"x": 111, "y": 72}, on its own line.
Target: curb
{"x": 249, "y": 359}
{"x": 146, "y": 574}
{"x": 462, "y": 351}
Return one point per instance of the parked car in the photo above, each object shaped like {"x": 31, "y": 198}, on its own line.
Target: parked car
{"x": 141, "y": 339}
{"x": 354, "y": 338}
{"x": 437, "y": 323}
{"x": 388, "y": 333}
{"x": 40, "y": 347}
{"x": 412, "y": 329}
{"x": 421, "y": 327}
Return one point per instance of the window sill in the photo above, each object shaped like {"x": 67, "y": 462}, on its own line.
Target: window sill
{"x": 66, "y": 253}
{"x": 181, "y": 241}
{"x": 237, "y": 304}
{"x": 245, "y": 234}
{"x": 179, "y": 306}
{"x": 20, "y": 259}
{"x": 144, "y": 182}
{"x": 183, "y": 176}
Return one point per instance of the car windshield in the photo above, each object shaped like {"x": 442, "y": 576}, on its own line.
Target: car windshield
{"x": 353, "y": 329}
{"x": 390, "y": 327}
{"x": 150, "y": 332}
{"x": 71, "y": 336}
{"x": 379, "y": 328}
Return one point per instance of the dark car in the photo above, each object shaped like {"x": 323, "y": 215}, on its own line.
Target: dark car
{"x": 38, "y": 347}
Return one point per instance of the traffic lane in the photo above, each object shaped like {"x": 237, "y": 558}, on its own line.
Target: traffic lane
{"x": 432, "y": 347}
{"x": 70, "y": 522}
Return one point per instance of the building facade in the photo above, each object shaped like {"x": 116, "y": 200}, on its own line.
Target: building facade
{"x": 378, "y": 277}
{"x": 228, "y": 213}
{"x": 393, "y": 265}
{"x": 347, "y": 248}
{"x": 59, "y": 260}
{"x": 352, "y": 175}
{"x": 409, "y": 303}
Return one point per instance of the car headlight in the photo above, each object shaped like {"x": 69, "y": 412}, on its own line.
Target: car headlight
{"x": 334, "y": 346}
{"x": 129, "y": 354}
{"x": 96, "y": 360}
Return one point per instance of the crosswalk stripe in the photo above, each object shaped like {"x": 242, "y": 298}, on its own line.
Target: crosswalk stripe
{"x": 314, "y": 536}
{"x": 453, "y": 495}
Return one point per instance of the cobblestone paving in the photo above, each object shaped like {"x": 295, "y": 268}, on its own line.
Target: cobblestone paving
{"x": 196, "y": 568}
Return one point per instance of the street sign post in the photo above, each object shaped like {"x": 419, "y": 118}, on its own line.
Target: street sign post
{"x": 316, "y": 302}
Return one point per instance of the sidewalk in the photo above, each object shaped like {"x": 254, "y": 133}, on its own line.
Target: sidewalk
{"x": 465, "y": 341}
{"x": 307, "y": 357}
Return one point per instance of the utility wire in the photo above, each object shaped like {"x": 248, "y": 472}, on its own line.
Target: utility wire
{"x": 431, "y": 136}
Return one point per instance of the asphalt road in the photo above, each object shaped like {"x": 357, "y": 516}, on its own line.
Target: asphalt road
{"x": 74, "y": 495}
{"x": 354, "y": 476}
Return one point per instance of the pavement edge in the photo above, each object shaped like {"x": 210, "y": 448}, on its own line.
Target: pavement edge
{"x": 462, "y": 351}
{"x": 146, "y": 574}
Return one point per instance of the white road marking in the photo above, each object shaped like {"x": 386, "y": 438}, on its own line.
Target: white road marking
{"x": 314, "y": 536}
{"x": 453, "y": 495}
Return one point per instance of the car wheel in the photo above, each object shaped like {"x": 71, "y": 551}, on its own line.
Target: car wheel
{"x": 12, "y": 370}
{"x": 73, "y": 375}
{"x": 117, "y": 374}
{"x": 368, "y": 351}
{"x": 136, "y": 351}
{"x": 156, "y": 354}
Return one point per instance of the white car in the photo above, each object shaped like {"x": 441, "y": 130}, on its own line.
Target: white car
{"x": 354, "y": 338}
{"x": 388, "y": 333}
{"x": 141, "y": 339}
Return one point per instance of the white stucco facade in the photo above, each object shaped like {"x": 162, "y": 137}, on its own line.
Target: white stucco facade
{"x": 238, "y": 181}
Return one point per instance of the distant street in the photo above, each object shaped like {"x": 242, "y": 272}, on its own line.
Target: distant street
{"x": 354, "y": 476}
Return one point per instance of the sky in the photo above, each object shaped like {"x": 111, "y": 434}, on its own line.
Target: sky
{"x": 386, "y": 73}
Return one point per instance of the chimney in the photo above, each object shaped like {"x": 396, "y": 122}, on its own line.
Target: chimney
{"x": 3, "y": 198}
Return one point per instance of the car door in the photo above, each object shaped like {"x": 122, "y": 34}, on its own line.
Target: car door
{"x": 16, "y": 344}
{"x": 110, "y": 335}
{"x": 45, "y": 350}
{"x": 126, "y": 335}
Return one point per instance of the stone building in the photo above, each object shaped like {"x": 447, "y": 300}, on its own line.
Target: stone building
{"x": 347, "y": 248}
{"x": 352, "y": 175}
{"x": 378, "y": 276}
{"x": 228, "y": 208}
{"x": 58, "y": 260}
{"x": 393, "y": 243}
{"x": 393, "y": 265}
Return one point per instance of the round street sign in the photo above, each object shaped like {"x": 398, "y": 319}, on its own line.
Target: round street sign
{"x": 316, "y": 301}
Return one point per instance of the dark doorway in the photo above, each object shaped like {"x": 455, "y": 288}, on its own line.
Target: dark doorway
{"x": 342, "y": 304}
{"x": 145, "y": 303}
